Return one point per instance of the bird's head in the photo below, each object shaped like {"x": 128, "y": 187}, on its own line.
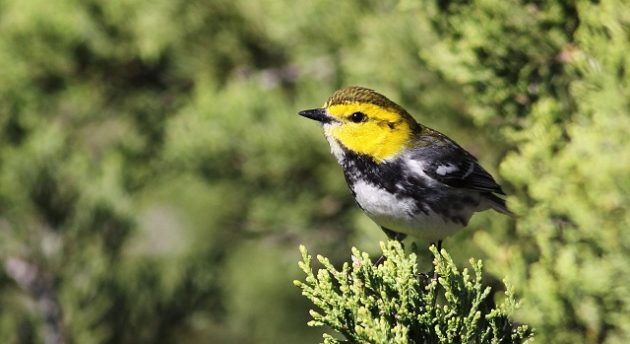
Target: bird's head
{"x": 365, "y": 122}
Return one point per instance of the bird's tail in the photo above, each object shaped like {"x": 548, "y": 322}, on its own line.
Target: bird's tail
{"x": 497, "y": 203}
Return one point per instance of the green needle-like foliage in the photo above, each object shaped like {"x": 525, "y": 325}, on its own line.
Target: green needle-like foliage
{"x": 394, "y": 303}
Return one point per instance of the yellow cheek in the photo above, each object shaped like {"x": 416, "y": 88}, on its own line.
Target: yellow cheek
{"x": 376, "y": 140}
{"x": 342, "y": 111}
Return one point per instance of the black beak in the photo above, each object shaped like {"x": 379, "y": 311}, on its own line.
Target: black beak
{"x": 316, "y": 114}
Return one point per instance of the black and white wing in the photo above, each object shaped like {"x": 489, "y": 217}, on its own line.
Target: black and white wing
{"x": 460, "y": 171}
{"x": 449, "y": 164}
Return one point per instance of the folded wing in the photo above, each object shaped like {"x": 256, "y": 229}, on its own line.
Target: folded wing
{"x": 449, "y": 164}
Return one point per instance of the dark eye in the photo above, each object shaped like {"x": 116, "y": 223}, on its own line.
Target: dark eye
{"x": 358, "y": 117}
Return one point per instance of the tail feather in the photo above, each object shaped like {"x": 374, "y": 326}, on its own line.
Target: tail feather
{"x": 497, "y": 203}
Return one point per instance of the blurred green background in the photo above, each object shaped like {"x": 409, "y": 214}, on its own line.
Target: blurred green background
{"x": 156, "y": 181}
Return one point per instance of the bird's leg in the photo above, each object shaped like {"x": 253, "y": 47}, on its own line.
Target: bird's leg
{"x": 379, "y": 261}
{"x": 391, "y": 235}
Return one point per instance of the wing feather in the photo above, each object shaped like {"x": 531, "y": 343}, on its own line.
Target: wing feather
{"x": 450, "y": 164}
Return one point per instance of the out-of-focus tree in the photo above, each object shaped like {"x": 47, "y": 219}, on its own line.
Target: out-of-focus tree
{"x": 155, "y": 181}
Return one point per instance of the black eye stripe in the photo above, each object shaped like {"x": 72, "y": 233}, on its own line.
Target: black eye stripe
{"x": 357, "y": 117}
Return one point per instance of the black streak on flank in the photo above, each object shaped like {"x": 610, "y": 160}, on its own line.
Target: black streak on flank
{"x": 389, "y": 176}
{"x": 396, "y": 179}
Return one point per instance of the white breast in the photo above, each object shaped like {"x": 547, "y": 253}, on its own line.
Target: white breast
{"x": 379, "y": 202}
{"x": 400, "y": 214}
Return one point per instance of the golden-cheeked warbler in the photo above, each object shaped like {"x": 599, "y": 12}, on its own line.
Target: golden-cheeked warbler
{"x": 408, "y": 178}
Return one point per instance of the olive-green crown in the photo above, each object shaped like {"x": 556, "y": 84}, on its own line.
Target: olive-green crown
{"x": 358, "y": 94}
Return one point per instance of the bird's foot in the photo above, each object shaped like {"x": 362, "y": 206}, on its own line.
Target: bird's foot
{"x": 379, "y": 261}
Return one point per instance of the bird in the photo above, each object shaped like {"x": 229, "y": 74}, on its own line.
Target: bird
{"x": 411, "y": 180}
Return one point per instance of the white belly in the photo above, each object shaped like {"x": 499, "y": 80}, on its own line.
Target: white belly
{"x": 401, "y": 214}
